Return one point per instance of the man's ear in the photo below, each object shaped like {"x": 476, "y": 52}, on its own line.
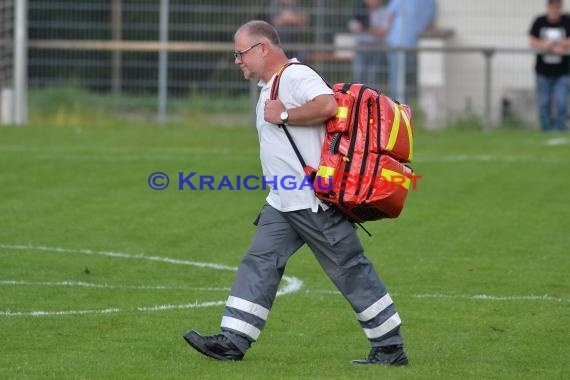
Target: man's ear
{"x": 265, "y": 49}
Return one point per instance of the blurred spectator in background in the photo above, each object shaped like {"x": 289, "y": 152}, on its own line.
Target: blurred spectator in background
{"x": 370, "y": 23}
{"x": 291, "y": 21}
{"x": 550, "y": 33}
{"x": 410, "y": 18}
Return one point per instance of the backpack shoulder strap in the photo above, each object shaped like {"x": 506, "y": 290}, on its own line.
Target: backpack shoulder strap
{"x": 277, "y": 80}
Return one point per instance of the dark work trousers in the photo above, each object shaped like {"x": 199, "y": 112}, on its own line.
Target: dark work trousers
{"x": 335, "y": 244}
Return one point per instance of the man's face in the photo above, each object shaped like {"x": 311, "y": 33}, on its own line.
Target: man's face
{"x": 554, "y": 11}
{"x": 248, "y": 56}
{"x": 372, "y": 4}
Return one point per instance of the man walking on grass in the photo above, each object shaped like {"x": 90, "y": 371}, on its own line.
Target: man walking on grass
{"x": 292, "y": 218}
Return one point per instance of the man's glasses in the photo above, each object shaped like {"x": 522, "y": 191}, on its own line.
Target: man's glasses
{"x": 239, "y": 54}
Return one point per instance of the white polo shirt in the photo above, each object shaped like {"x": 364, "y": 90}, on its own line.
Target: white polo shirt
{"x": 299, "y": 84}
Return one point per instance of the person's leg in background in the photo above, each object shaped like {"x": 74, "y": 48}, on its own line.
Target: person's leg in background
{"x": 377, "y": 66}
{"x": 359, "y": 67}
{"x": 561, "y": 100}
{"x": 544, "y": 95}
{"x": 393, "y": 60}
{"x": 411, "y": 85}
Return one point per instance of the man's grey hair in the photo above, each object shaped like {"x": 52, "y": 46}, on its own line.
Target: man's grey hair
{"x": 258, "y": 28}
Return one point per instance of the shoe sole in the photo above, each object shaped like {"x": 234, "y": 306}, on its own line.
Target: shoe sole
{"x": 193, "y": 339}
{"x": 401, "y": 360}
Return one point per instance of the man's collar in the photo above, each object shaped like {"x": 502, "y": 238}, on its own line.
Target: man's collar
{"x": 261, "y": 83}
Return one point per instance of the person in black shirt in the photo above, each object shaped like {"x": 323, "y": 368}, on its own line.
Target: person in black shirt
{"x": 550, "y": 33}
{"x": 370, "y": 25}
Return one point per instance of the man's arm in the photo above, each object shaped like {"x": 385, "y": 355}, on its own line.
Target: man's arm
{"x": 565, "y": 43}
{"x": 559, "y": 47}
{"x": 380, "y": 31}
{"x": 537, "y": 43}
{"x": 317, "y": 111}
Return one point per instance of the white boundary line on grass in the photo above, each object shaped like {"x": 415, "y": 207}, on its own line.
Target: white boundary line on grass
{"x": 107, "y": 286}
{"x": 557, "y": 141}
{"x": 486, "y": 297}
{"x": 292, "y": 284}
{"x": 41, "y": 313}
{"x": 121, "y": 255}
{"x": 486, "y": 158}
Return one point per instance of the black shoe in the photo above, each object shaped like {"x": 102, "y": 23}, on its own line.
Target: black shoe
{"x": 215, "y": 346}
{"x": 389, "y": 355}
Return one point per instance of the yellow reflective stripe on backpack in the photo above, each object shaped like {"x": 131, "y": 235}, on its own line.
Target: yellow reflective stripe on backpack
{"x": 398, "y": 114}
{"x": 342, "y": 112}
{"x": 395, "y": 129}
{"x": 395, "y": 178}
{"x": 410, "y": 136}
{"x": 325, "y": 171}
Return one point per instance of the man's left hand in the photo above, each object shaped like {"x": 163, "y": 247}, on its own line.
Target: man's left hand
{"x": 272, "y": 111}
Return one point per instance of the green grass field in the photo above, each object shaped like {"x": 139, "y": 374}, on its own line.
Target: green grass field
{"x": 97, "y": 281}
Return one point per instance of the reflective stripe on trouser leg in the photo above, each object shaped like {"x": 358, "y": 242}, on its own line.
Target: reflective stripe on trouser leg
{"x": 380, "y": 319}
{"x": 337, "y": 247}
{"x": 252, "y": 312}
{"x": 375, "y": 309}
{"x": 240, "y": 326}
{"x": 249, "y": 307}
{"x": 259, "y": 274}
{"x": 384, "y": 328}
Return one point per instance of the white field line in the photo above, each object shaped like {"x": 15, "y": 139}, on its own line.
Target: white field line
{"x": 41, "y": 313}
{"x": 420, "y": 159}
{"x": 485, "y": 297}
{"x": 107, "y": 286}
{"x": 291, "y": 284}
{"x": 121, "y": 255}
{"x": 489, "y": 297}
{"x": 558, "y": 141}
{"x": 133, "y": 158}
{"x": 117, "y": 155}
{"x": 487, "y": 158}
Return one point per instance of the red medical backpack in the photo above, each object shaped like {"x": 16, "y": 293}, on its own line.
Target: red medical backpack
{"x": 362, "y": 169}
